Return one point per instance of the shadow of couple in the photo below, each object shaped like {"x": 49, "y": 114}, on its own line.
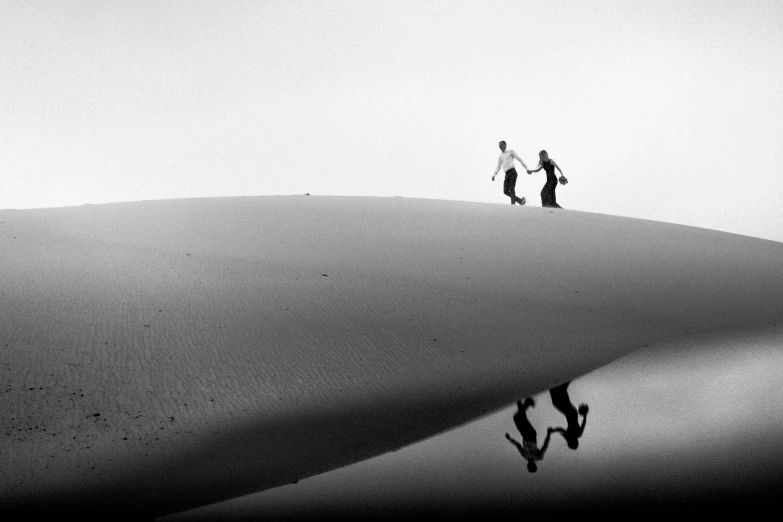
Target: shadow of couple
{"x": 529, "y": 448}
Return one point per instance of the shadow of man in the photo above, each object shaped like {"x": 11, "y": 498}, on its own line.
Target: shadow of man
{"x": 529, "y": 448}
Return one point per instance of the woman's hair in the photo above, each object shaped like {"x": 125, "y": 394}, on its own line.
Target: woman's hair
{"x": 543, "y": 152}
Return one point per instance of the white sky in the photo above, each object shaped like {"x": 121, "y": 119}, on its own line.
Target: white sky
{"x": 661, "y": 110}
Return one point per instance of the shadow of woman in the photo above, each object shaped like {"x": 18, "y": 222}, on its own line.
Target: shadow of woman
{"x": 562, "y": 402}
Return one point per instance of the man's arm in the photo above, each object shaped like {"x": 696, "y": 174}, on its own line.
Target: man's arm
{"x": 516, "y": 157}
{"x": 546, "y": 442}
{"x": 515, "y": 443}
{"x": 497, "y": 169}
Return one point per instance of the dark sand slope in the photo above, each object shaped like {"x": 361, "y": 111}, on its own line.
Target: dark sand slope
{"x": 158, "y": 356}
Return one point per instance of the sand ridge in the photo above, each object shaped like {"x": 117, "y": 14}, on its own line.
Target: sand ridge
{"x": 162, "y": 355}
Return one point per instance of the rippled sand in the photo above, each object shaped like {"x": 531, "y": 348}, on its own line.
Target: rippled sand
{"x": 669, "y": 432}
{"x": 158, "y": 356}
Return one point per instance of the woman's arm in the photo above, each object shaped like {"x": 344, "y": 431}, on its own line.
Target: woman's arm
{"x": 582, "y": 428}
{"x": 562, "y": 179}
{"x": 536, "y": 170}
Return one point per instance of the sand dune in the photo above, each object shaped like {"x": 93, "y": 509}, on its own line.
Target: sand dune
{"x": 163, "y": 355}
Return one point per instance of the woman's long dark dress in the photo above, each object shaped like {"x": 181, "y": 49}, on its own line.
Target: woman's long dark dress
{"x": 562, "y": 402}
{"x": 548, "y": 192}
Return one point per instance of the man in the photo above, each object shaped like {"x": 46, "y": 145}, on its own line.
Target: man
{"x": 529, "y": 447}
{"x": 506, "y": 160}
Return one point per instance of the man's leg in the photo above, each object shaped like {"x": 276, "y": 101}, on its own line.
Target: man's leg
{"x": 512, "y": 184}
{"x": 524, "y": 427}
{"x": 507, "y": 189}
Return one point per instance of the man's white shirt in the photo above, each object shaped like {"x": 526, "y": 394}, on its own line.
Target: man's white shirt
{"x": 506, "y": 160}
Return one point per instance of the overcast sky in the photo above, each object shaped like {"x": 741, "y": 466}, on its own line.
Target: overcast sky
{"x": 661, "y": 110}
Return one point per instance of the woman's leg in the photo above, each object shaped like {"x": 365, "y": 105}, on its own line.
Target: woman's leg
{"x": 548, "y": 195}
{"x": 544, "y": 197}
{"x": 553, "y": 199}
{"x": 561, "y": 401}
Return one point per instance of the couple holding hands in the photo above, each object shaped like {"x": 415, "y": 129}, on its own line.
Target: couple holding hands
{"x": 506, "y": 161}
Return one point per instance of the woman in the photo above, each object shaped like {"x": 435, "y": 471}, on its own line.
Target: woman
{"x": 562, "y": 402}
{"x": 548, "y": 192}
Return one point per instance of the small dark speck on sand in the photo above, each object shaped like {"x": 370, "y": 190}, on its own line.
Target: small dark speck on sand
{"x": 146, "y": 326}
{"x": 96, "y": 414}
{"x": 324, "y": 275}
